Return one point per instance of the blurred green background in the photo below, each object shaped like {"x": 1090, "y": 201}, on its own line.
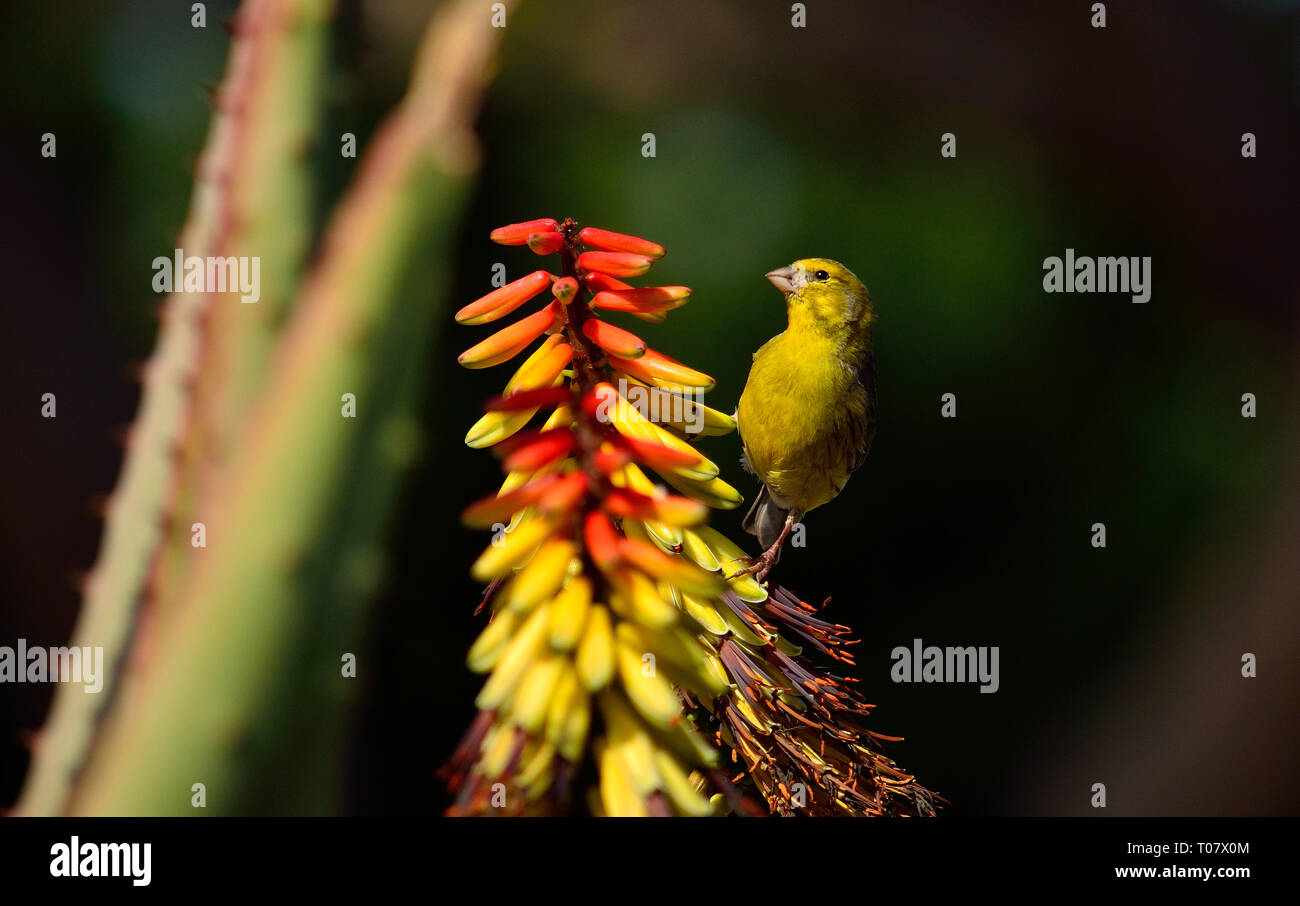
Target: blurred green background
{"x": 773, "y": 143}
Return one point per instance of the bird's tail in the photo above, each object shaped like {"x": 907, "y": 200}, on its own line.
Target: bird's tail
{"x": 765, "y": 519}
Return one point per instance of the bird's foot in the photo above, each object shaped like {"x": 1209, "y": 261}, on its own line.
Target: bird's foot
{"x": 758, "y": 567}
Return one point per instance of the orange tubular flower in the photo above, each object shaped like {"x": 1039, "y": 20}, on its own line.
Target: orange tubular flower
{"x": 518, "y": 233}
{"x": 619, "y": 629}
{"x": 654, "y": 298}
{"x": 501, "y": 302}
{"x": 614, "y": 340}
{"x": 604, "y": 240}
{"x": 508, "y": 342}
{"x": 615, "y": 264}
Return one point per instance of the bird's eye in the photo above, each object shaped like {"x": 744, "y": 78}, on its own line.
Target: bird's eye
{"x": 821, "y": 275}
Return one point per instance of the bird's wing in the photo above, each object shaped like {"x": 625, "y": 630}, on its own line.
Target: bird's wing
{"x": 867, "y": 378}
{"x": 740, "y": 429}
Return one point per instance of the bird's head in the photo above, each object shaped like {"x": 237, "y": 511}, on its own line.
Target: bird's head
{"x": 823, "y": 295}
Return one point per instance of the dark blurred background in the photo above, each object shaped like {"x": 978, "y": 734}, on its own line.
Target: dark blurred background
{"x": 1119, "y": 666}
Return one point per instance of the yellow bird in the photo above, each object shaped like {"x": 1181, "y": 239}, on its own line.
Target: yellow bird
{"x": 808, "y": 411}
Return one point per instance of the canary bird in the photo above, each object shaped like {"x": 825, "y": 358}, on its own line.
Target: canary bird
{"x": 807, "y": 414}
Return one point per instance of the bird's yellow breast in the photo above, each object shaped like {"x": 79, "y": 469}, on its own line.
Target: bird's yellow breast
{"x": 803, "y": 418}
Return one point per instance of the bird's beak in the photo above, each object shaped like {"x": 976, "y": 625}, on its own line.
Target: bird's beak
{"x": 781, "y": 278}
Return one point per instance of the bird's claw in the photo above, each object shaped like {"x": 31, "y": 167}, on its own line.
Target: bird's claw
{"x": 758, "y": 567}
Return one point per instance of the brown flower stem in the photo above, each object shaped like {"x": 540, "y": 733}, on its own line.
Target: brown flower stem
{"x": 586, "y": 373}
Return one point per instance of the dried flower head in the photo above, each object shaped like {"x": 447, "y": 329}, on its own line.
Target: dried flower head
{"x": 618, "y": 626}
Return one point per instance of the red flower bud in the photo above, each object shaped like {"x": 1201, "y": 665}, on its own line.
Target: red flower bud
{"x": 617, "y": 264}
{"x": 611, "y": 460}
{"x": 658, "y": 369}
{"x": 508, "y": 342}
{"x": 565, "y": 289}
{"x": 547, "y": 243}
{"x": 528, "y": 399}
{"x": 499, "y": 508}
{"x": 601, "y": 282}
{"x": 668, "y": 508}
{"x": 656, "y": 455}
{"x": 564, "y": 495}
{"x": 647, "y": 300}
{"x": 529, "y": 453}
{"x": 518, "y": 233}
{"x": 674, "y": 570}
{"x": 602, "y": 540}
{"x": 501, "y": 302}
{"x": 614, "y": 340}
{"x": 596, "y": 238}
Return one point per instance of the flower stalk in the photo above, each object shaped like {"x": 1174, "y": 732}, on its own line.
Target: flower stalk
{"x": 620, "y": 629}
